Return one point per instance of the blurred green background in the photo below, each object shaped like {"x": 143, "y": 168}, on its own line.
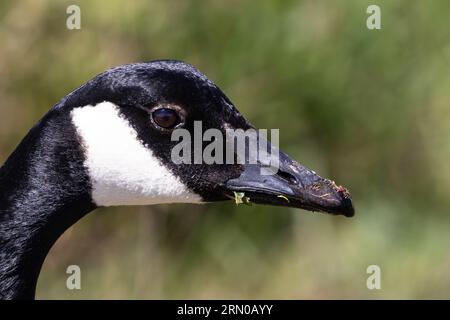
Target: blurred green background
{"x": 369, "y": 109}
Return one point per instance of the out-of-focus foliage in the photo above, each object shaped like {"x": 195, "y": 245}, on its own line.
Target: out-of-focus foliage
{"x": 369, "y": 109}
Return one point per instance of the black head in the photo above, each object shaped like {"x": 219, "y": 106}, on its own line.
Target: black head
{"x": 159, "y": 97}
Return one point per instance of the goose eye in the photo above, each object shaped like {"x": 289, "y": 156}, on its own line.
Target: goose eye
{"x": 166, "y": 118}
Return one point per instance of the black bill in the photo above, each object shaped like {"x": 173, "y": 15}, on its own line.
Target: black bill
{"x": 292, "y": 186}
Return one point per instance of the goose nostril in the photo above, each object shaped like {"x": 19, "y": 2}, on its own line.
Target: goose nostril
{"x": 288, "y": 177}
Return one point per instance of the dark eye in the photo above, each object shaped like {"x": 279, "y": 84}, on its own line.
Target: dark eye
{"x": 166, "y": 118}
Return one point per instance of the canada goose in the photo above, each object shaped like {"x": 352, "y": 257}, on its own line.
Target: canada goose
{"x": 108, "y": 143}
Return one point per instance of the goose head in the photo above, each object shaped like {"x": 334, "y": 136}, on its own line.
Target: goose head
{"x": 127, "y": 118}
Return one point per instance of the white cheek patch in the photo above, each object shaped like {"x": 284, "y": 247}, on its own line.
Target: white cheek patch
{"x": 122, "y": 170}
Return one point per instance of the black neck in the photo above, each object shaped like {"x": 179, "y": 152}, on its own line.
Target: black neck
{"x": 44, "y": 189}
